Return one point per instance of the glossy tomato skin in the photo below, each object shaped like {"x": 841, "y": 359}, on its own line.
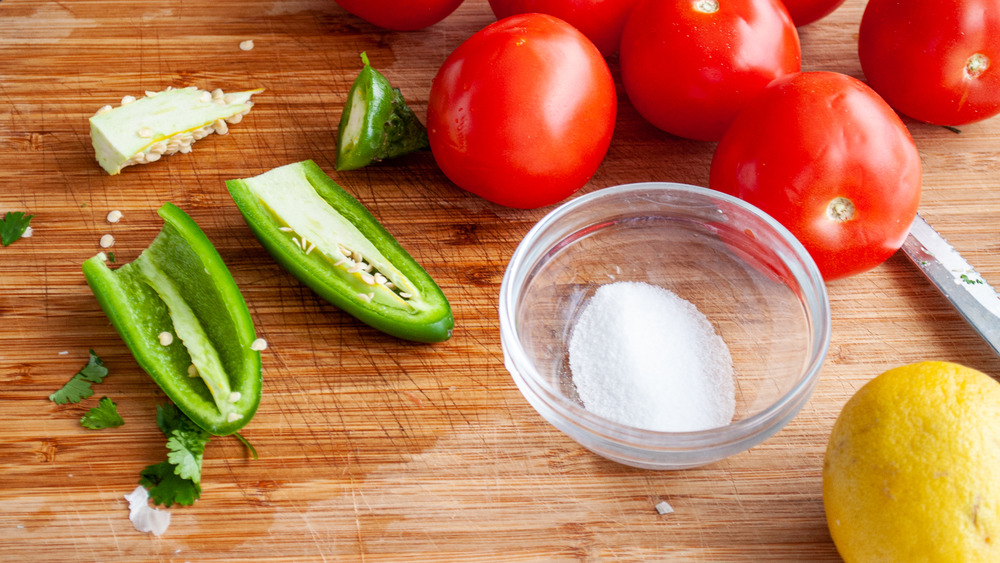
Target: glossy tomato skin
{"x": 815, "y": 138}
{"x": 688, "y": 70}
{"x": 805, "y": 12}
{"x": 937, "y": 61}
{"x": 601, "y": 21}
{"x": 400, "y": 15}
{"x": 522, "y": 112}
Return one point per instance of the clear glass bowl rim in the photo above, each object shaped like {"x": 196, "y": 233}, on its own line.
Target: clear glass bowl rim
{"x": 743, "y": 433}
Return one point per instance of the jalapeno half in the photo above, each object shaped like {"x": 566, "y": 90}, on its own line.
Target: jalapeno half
{"x": 182, "y": 316}
{"x": 330, "y": 242}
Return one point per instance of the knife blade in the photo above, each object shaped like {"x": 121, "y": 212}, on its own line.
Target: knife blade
{"x": 958, "y": 281}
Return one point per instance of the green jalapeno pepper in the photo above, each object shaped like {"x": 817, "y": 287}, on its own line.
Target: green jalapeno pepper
{"x": 329, "y": 241}
{"x": 183, "y": 318}
{"x": 376, "y": 123}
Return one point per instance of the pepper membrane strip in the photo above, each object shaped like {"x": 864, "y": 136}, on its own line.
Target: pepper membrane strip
{"x": 333, "y": 244}
{"x": 180, "y": 285}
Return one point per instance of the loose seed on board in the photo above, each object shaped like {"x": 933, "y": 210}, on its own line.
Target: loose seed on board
{"x": 246, "y": 45}
{"x": 166, "y": 339}
{"x": 258, "y": 345}
{"x": 126, "y": 100}
{"x": 114, "y": 216}
{"x": 107, "y": 241}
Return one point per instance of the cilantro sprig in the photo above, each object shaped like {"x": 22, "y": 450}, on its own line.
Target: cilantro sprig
{"x": 12, "y": 226}
{"x": 78, "y": 388}
{"x": 104, "y": 415}
{"x": 177, "y": 480}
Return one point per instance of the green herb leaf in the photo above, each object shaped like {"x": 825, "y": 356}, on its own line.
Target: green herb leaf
{"x": 78, "y": 388}
{"x": 166, "y": 487}
{"x": 970, "y": 281}
{"x": 104, "y": 415}
{"x": 186, "y": 446}
{"x": 186, "y": 450}
{"x": 12, "y": 226}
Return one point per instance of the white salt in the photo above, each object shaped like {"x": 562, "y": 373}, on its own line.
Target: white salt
{"x": 642, "y": 356}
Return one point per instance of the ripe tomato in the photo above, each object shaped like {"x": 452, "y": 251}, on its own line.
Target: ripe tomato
{"x": 522, "y": 112}
{"x": 400, "y": 16}
{"x": 600, "y": 20}
{"x": 825, "y": 156}
{"x": 807, "y": 11}
{"x": 688, "y": 66}
{"x": 935, "y": 60}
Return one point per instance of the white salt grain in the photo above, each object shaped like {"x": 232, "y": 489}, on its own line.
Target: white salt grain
{"x": 642, "y": 356}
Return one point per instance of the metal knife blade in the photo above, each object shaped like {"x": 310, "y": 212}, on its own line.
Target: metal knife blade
{"x": 971, "y": 295}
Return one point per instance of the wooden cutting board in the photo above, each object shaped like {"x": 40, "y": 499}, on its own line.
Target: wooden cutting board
{"x": 372, "y": 448}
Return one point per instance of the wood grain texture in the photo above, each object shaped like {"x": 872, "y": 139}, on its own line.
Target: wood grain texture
{"x": 371, "y": 448}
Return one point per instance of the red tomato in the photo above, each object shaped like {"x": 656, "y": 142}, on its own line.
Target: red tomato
{"x": 825, "y": 156}
{"x": 804, "y": 12}
{"x": 400, "y": 15}
{"x": 935, "y": 60}
{"x": 600, "y": 20}
{"x": 522, "y": 112}
{"x": 689, "y": 66}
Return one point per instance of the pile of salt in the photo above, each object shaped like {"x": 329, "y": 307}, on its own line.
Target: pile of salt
{"x": 642, "y": 356}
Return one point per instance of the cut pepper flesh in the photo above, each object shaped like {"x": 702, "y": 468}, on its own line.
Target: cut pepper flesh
{"x": 179, "y": 285}
{"x": 333, "y": 244}
{"x": 162, "y": 123}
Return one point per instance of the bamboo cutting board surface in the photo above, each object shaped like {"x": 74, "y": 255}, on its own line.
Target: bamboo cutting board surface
{"x": 372, "y": 448}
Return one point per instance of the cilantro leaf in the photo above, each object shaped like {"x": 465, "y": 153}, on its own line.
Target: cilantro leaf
{"x": 179, "y": 478}
{"x": 104, "y": 415}
{"x": 186, "y": 451}
{"x": 12, "y": 226}
{"x": 166, "y": 487}
{"x": 78, "y": 388}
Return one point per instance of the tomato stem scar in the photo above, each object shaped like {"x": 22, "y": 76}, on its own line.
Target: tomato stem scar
{"x": 976, "y": 65}
{"x": 707, "y": 6}
{"x": 840, "y": 209}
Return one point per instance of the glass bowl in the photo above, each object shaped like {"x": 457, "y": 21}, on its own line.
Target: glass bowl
{"x": 746, "y": 273}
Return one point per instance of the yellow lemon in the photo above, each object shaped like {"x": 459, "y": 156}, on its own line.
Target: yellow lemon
{"x": 912, "y": 470}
